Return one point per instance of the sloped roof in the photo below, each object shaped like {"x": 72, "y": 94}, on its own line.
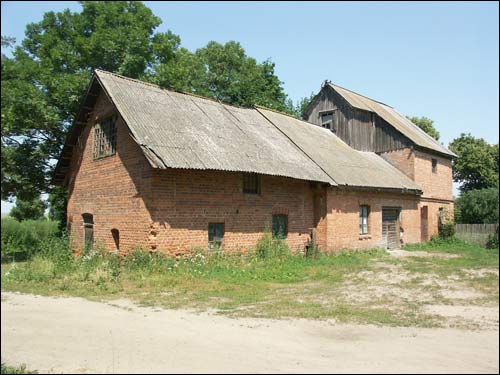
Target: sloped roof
{"x": 345, "y": 165}
{"x": 178, "y": 130}
{"x": 393, "y": 117}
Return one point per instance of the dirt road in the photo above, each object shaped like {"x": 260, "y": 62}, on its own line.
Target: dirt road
{"x": 76, "y": 335}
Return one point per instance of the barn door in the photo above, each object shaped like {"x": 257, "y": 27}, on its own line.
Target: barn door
{"x": 424, "y": 223}
{"x": 390, "y": 228}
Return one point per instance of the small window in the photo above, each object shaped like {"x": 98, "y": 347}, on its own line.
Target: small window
{"x": 434, "y": 165}
{"x": 364, "y": 211}
{"x": 105, "y": 138}
{"x": 215, "y": 235}
{"x": 328, "y": 120}
{"x": 251, "y": 183}
{"x": 88, "y": 231}
{"x": 280, "y": 226}
{"x": 116, "y": 237}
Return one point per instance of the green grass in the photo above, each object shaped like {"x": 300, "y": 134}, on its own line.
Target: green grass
{"x": 15, "y": 370}
{"x": 270, "y": 282}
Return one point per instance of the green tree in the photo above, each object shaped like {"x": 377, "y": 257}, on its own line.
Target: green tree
{"x": 477, "y": 207}
{"x": 476, "y": 166}
{"x": 32, "y": 209}
{"x": 43, "y": 83}
{"x": 426, "y": 124}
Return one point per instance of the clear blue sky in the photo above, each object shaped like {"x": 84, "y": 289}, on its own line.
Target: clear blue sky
{"x": 438, "y": 60}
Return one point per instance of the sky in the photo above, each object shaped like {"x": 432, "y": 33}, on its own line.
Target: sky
{"x": 433, "y": 59}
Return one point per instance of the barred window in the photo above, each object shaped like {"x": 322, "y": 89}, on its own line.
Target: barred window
{"x": 280, "y": 226}
{"x": 105, "y": 138}
{"x": 364, "y": 211}
{"x": 251, "y": 183}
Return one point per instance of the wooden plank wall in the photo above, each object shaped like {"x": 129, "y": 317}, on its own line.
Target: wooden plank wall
{"x": 362, "y": 130}
{"x": 476, "y": 233}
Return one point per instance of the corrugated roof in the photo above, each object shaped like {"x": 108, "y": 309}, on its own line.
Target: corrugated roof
{"x": 184, "y": 131}
{"x": 177, "y": 130}
{"x": 393, "y": 117}
{"x": 345, "y": 165}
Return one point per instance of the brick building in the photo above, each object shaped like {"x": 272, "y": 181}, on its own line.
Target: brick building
{"x": 170, "y": 172}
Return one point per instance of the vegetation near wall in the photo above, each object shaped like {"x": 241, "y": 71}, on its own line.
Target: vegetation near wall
{"x": 20, "y": 240}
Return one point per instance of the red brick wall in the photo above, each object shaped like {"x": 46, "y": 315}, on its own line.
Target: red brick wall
{"x": 435, "y": 185}
{"x": 343, "y": 218}
{"x": 403, "y": 159}
{"x": 110, "y": 188}
{"x": 185, "y": 201}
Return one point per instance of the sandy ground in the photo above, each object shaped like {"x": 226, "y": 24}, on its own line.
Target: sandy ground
{"x": 75, "y": 335}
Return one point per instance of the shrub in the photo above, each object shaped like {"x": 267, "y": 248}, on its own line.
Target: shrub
{"x": 270, "y": 247}
{"x": 21, "y": 240}
{"x": 477, "y": 207}
{"x": 447, "y": 230}
{"x": 492, "y": 242}
{"x": 312, "y": 250}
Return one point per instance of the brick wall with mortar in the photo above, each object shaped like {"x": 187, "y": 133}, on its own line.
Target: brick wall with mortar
{"x": 343, "y": 218}
{"x": 110, "y": 188}
{"x": 437, "y": 186}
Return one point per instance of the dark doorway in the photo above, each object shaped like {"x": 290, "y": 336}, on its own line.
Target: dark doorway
{"x": 88, "y": 230}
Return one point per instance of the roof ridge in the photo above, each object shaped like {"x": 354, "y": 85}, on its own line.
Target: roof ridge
{"x": 357, "y": 93}
{"x": 170, "y": 89}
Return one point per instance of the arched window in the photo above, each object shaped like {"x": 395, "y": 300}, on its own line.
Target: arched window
{"x": 116, "y": 237}
{"x": 88, "y": 230}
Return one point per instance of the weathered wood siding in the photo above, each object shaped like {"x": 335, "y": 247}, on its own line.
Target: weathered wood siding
{"x": 476, "y": 233}
{"x": 362, "y": 130}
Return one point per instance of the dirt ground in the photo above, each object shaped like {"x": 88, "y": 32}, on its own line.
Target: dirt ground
{"x": 74, "y": 335}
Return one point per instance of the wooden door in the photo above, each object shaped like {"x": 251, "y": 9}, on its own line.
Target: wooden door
{"x": 390, "y": 228}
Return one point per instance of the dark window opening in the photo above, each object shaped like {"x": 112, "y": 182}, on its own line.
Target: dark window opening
{"x": 88, "y": 230}
{"x": 441, "y": 216}
{"x": 328, "y": 121}
{"x": 251, "y": 183}
{"x": 105, "y": 138}
{"x": 364, "y": 211}
{"x": 116, "y": 237}
{"x": 280, "y": 226}
{"x": 434, "y": 165}
{"x": 215, "y": 235}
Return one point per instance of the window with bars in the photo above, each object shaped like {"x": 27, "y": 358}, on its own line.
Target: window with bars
{"x": 280, "y": 226}
{"x": 215, "y": 235}
{"x": 105, "y": 138}
{"x": 364, "y": 211}
{"x": 251, "y": 183}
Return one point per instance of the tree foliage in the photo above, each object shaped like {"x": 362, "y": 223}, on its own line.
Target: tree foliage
{"x": 32, "y": 209}
{"x": 477, "y": 207}
{"x": 426, "y": 124}
{"x": 476, "y": 166}
{"x": 44, "y": 82}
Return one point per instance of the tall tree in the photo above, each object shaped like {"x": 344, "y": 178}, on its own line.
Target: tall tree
{"x": 477, "y": 207}
{"x": 477, "y": 164}
{"x": 44, "y": 82}
{"x": 32, "y": 209}
{"x": 426, "y": 124}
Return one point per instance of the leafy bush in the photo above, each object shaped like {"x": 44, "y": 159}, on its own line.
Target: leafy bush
{"x": 270, "y": 247}
{"x": 477, "y": 207}
{"x": 447, "y": 229}
{"x": 16, "y": 370}
{"x": 21, "y": 240}
{"x": 312, "y": 250}
{"x": 492, "y": 242}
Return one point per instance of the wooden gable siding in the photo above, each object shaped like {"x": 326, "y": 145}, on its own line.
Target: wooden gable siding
{"x": 362, "y": 130}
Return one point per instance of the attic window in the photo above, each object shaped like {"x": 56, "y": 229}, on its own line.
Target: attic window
{"x": 328, "y": 120}
{"x": 105, "y": 138}
{"x": 251, "y": 183}
{"x": 434, "y": 165}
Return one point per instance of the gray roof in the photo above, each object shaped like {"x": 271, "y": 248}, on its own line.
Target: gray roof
{"x": 178, "y": 130}
{"x": 393, "y": 117}
{"x": 345, "y": 165}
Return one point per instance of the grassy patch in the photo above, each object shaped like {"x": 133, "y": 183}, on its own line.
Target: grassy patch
{"x": 362, "y": 287}
{"x": 16, "y": 370}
